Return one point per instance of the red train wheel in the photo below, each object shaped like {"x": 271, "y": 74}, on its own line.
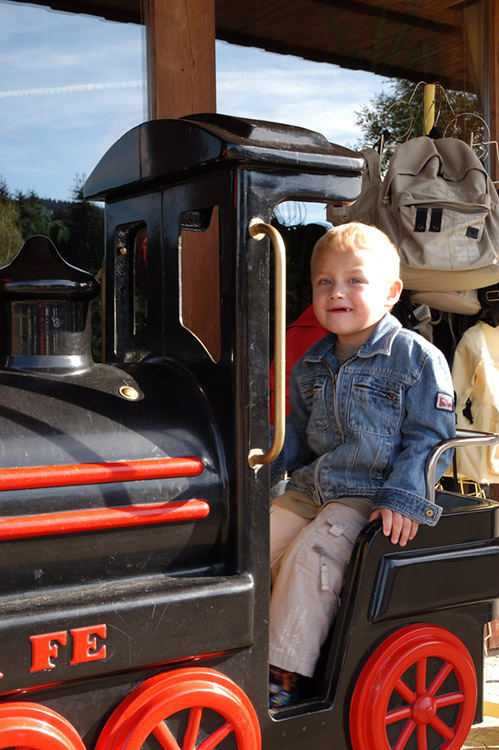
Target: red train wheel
{"x": 29, "y": 726}
{"x": 173, "y": 707}
{"x": 419, "y": 686}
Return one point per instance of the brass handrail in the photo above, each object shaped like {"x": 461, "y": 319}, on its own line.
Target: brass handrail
{"x": 258, "y": 229}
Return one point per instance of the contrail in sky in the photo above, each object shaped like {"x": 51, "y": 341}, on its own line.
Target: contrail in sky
{"x": 72, "y": 88}
{"x": 222, "y": 76}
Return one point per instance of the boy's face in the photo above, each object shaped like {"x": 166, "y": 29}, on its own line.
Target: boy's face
{"x": 351, "y": 293}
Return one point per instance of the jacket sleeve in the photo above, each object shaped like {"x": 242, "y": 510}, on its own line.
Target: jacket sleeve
{"x": 296, "y": 451}
{"x": 429, "y": 419}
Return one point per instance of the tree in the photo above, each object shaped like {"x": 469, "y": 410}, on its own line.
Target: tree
{"x": 11, "y": 238}
{"x": 34, "y": 217}
{"x": 399, "y": 114}
{"x": 4, "y": 190}
{"x": 82, "y": 242}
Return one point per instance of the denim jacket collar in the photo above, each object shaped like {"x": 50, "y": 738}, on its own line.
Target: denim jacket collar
{"x": 379, "y": 342}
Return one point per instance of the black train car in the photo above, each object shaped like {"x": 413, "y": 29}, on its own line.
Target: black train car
{"x": 134, "y": 495}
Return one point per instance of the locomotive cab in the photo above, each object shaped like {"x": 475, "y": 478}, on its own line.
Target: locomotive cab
{"x": 180, "y": 196}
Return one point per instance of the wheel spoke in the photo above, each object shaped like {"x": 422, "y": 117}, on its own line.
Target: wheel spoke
{"x": 421, "y": 676}
{"x": 440, "y": 678}
{"x": 442, "y": 728}
{"x": 422, "y": 739}
{"x": 450, "y": 699}
{"x": 216, "y": 737}
{"x": 405, "y": 735}
{"x": 165, "y": 737}
{"x": 397, "y": 715}
{"x": 404, "y": 691}
{"x": 191, "y": 733}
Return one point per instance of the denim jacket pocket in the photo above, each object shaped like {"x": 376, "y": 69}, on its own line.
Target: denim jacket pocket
{"x": 375, "y": 406}
{"x": 313, "y": 393}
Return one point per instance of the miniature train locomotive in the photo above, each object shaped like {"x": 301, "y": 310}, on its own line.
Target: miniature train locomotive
{"x": 134, "y": 499}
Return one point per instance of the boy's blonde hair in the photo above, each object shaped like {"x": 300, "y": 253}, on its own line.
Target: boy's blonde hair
{"x": 357, "y": 236}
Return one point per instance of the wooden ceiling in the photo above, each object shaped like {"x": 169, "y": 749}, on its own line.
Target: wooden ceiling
{"x": 414, "y": 39}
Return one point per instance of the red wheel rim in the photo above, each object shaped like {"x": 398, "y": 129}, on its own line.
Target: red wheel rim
{"x": 29, "y": 726}
{"x": 420, "y": 716}
{"x": 144, "y": 712}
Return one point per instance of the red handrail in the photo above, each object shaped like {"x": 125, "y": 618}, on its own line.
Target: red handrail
{"x": 95, "y": 519}
{"x": 34, "y": 477}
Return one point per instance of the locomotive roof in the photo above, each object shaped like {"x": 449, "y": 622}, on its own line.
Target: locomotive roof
{"x": 160, "y": 151}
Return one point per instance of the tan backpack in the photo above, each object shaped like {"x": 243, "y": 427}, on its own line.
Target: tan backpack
{"x": 440, "y": 208}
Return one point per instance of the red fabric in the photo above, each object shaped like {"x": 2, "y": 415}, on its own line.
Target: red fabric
{"x": 300, "y": 336}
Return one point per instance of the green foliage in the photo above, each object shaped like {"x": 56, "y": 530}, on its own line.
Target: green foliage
{"x": 4, "y": 191}
{"x": 399, "y": 114}
{"x": 34, "y": 217}
{"x": 11, "y": 238}
{"x": 81, "y": 231}
{"x": 75, "y": 227}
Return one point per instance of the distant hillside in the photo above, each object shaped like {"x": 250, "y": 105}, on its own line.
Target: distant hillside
{"x": 61, "y": 206}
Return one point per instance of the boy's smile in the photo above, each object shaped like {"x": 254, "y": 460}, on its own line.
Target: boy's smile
{"x": 351, "y": 293}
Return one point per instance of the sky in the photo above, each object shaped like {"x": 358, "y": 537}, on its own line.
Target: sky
{"x": 71, "y": 85}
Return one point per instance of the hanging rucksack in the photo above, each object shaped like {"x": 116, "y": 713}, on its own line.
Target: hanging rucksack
{"x": 441, "y": 210}
{"x": 365, "y": 208}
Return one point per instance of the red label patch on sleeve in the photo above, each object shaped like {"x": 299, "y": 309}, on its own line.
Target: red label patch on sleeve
{"x": 445, "y": 402}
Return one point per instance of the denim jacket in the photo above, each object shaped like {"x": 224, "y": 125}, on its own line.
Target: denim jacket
{"x": 367, "y": 428}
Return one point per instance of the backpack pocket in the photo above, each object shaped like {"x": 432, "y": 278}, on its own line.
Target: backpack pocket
{"x": 448, "y": 236}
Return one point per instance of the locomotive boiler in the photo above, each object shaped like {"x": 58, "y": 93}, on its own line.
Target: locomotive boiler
{"x": 134, "y": 493}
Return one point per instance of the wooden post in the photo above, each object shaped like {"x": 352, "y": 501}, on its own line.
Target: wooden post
{"x": 493, "y": 29}
{"x": 180, "y": 57}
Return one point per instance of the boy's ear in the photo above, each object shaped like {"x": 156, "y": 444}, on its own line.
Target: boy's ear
{"x": 394, "y": 292}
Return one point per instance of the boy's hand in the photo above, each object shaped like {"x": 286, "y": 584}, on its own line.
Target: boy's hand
{"x": 398, "y": 526}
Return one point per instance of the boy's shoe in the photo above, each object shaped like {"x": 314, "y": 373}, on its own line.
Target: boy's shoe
{"x": 278, "y": 697}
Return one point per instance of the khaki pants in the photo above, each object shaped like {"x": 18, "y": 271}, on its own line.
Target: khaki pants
{"x": 308, "y": 560}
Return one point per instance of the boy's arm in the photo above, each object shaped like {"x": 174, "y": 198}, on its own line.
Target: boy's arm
{"x": 429, "y": 419}
{"x": 295, "y": 451}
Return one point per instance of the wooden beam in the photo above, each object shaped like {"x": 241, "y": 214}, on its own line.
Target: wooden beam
{"x": 180, "y": 57}
{"x": 406, "y": 18}
{"x": 125, "y": 11}
{"x": 381, "y": 68}
{"x": 493, "y": 31}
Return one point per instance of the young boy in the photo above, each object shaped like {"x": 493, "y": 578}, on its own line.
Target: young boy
{"x": 370, "y": 401}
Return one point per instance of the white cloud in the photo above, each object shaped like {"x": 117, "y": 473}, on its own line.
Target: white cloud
{"x": 324, "y": 98}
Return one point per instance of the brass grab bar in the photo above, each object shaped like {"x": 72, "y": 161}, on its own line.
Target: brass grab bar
{"x": 258, "y": 229}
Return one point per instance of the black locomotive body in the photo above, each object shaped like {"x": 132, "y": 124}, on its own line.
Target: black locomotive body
{"x": 134, "y": 530}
